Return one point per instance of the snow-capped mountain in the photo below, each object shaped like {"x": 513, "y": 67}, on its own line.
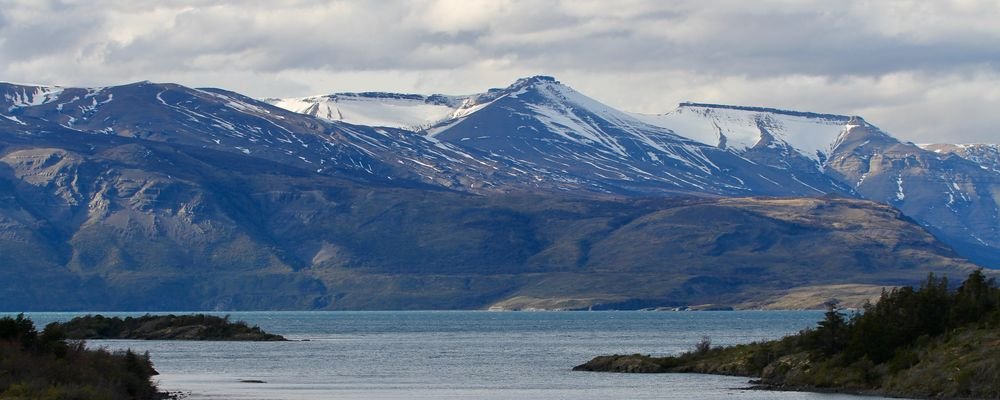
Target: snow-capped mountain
{"x": 541, "y": 125}
{"x": 560, "y": 139}
{"x": 144, "y": 192}
{"x": 227, "y": 121}
{"x": 557, "y": 135}
{"x": 948, "y": 188}
{"x": 541, "y": 135}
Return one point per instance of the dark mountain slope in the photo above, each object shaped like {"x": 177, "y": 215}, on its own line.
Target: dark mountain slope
{"x": 227, "y": 121}
{"x": 119, "y": 223}
{"x": 950, "y": 189}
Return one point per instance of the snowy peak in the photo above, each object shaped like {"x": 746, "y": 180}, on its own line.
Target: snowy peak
{"x": 519, "y": 86}
{"x": 394, "y": 110}
{"x": 741, "y": 129}
{"x": 539, "y": 125}
{"x": 414, "y": 112}
{"x": 538, "y": 107}
{"x": 530, "y": 82}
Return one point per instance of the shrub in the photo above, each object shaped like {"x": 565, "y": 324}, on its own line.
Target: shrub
{"x": 704, "y": 346}
{"x": 45, "y": 366}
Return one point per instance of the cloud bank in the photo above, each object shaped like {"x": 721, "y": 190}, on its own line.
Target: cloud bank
{"x": 924, "y": 71}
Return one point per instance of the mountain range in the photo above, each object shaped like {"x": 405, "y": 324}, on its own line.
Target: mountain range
{"x": 579, "y": 144}
{"x": 159, "y": 196}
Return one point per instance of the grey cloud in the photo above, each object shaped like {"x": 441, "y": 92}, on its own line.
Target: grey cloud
{"x": 759, "y": 44}
{"x": 806, "y": 54}
{"x": 740, "y": 40}
{"x": 50, "y": 29}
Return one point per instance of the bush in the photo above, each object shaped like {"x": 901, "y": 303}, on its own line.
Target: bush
{"x": 45, "y": 366}
{"x": 704, "y": 346}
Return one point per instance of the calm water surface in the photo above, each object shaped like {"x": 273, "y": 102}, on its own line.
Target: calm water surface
{"x": 458, "y": 355}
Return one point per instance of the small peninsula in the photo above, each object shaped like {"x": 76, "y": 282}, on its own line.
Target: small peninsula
{"x": 164, "y": 327}
{"x": 928, "y": 342}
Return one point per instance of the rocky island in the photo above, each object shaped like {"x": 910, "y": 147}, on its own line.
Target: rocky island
{"x": 927, "y": 342}
{"x": 164, "y": 327}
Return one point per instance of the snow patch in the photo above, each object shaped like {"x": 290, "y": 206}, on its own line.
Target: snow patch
{"x": 900, "y": 195}
{"x": 26, "y": 96}
{"x": 15, "y": 119}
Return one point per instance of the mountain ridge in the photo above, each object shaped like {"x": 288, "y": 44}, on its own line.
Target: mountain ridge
{"x": 814, "y": 152}
{"x": 145, "y": 225}
{"x": 160, "y": 196}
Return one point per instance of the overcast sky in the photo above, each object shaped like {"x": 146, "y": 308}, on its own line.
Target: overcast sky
{"x": 926, "y": 71}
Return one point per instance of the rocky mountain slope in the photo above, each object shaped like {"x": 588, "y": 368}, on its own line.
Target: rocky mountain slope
{"x": 986, "y": 155}
{"x": 952, "y": 190}
{"x": 106, "y": 222}
{"x": 563, "y": 137}
{"x": 158, "y": 196}
{"x": 954, "y": 197}
{"x": 558, "y": 139}
{"x": 226, "y": 121}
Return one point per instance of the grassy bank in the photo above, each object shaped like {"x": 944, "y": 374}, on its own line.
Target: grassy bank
{"x": 915, "y": 342}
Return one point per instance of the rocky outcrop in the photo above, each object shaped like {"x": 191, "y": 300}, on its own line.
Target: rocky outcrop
{"x": 635, "y": 363}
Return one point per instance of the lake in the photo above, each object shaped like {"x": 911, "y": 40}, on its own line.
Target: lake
{"x": 458, "y": 355}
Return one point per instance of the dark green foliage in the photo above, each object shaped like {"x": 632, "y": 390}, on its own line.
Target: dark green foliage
{"x": 884, "y": 340}
{"x": 903, "y": 315}
{"x": 704, "y": 346}
{"x": 18, "y": 330}
{"x": 831, "y": 335}
{"x": 924, "y": 342}
{"x": 44, "y": 366}
{"x": 975, "y": 298}
{"x": 163, "y": 327}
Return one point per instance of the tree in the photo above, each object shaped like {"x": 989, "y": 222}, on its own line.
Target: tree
{"x": 704, "y": 346}
{"x": 974, "y": 299}
{"x": 18, "y": 329}
{"x": 832, "y": 334}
